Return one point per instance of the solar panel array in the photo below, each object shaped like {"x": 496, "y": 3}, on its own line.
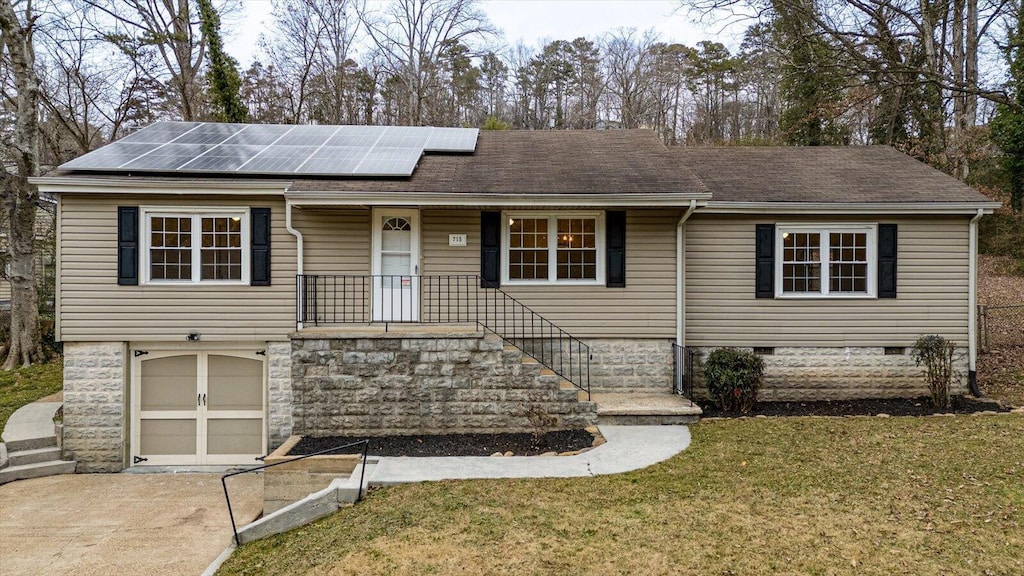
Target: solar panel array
{"x": 275, "y": 149}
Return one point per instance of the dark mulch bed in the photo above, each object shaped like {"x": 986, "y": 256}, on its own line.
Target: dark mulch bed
{"x": 453, "y": 444}
{"x": 892, "y": 407}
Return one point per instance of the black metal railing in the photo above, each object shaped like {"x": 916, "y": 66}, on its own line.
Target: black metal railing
{"x": 682, "y": 373}
{"x": 446, "y": 299}
{"x": 359, "y": 495}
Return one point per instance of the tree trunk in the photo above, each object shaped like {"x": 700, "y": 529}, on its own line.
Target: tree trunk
{"x": 19, "y": 196}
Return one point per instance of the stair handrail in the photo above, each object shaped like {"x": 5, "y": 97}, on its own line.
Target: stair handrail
{"x": 341, "y": 299}
{"x": 359, "y": 495}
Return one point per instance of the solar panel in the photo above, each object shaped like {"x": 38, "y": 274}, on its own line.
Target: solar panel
{"x": 166, "y": 157}
{"x": 223, "y": 158}
{"x": 275, "y": 149}
{"x": 278, "y": 160}
{"x": 308, "y": 136}
{"x": 160, "y": 132}
{"x": 111, "y": 156}
{"x": 389, "y": 161}
{"x": 333, "y": 160}
{"x": 452, "y": 140}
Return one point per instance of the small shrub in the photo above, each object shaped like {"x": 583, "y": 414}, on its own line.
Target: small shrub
{"x": 936, "y": 353}
{"x": 733, "y": 378}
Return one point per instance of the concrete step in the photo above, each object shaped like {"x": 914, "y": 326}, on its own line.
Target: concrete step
{"x": 635, "y": 409}
{"x": 23, "y": 444}
{"x": 37, "y": 470}
{"x": 23, "y": 457}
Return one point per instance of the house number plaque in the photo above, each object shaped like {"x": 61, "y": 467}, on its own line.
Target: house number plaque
{"x": 456, "y": 239}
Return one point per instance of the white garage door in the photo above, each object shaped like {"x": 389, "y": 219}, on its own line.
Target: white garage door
{"x": 193, "y": 408}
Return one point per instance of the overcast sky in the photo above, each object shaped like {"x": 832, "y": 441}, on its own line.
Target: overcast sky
{"x": 534, "y": 21}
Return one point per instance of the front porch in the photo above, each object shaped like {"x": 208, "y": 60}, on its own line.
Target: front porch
{"x": 433, "y": 333}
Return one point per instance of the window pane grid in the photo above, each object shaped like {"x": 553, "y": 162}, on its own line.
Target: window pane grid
{"x": 221, "y": 252}
{"x": 528, "y": 249}
{"x": 848, "y": 271}
{"x": 171, "y": 248}
{"x": 181, "y": 245}
{"x": 801, "y": 257}
{"x": 577, "y": 249}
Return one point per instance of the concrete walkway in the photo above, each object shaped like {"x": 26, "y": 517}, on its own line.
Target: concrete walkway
{"x": 31, "y": 421}
{"x": 122, "y": 524}
{"x": 628, "y": 448}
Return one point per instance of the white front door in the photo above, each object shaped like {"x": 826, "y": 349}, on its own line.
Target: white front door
{"x": 396, "y": 256}
{"x": 193, "y": 408}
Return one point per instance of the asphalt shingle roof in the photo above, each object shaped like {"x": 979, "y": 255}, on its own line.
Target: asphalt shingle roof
{"x": 540, "y": 162}
{"x": 821, "y": 174}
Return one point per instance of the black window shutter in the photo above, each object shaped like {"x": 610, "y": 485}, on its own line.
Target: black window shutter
{"x": 260, "y": 262}
{"x": 764, "y": 253}
{"x": 615, "y": 247}
{"x": 886, "y": 260}
{"x": 128, "y": 245}
{"x": 490, "y": 249}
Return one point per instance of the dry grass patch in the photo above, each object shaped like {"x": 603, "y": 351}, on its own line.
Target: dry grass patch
{"x": 930, "y": 495}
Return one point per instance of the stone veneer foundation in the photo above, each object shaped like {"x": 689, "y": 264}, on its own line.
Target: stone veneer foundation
{"x": 636, "y": 365}
{"x": 279, "y": 393}
{"x": 795, "y": 374}
{"x": 438, "y": 383}
{"x": 95, "y": 405}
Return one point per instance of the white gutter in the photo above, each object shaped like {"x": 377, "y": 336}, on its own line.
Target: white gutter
{"x": 681, "y": 274}
{"x": 972, "y": 302}
{"x": 722, "y": 207}
{"x": 639, "y": 199}
{"x": 298, "y": 259}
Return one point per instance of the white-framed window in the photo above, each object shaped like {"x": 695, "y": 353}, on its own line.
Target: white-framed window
{"x": 553, "y": 247}
{"x": 836, "y": 261}
{"x": 195, "y": 246}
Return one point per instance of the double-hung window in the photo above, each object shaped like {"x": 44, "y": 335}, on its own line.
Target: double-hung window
{"x": 553, "y": 247}
{"x": 196, "y": 246}
{"x": 833, "y": 261}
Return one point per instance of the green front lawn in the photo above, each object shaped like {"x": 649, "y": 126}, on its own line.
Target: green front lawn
{"x": 25, "y": 385}
{"x": 928, "y": 495}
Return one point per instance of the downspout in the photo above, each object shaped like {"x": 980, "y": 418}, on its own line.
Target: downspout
{"x": 299, "y": 288}
{"x": 972, "y": 306}
{"x": 681, "y": 274}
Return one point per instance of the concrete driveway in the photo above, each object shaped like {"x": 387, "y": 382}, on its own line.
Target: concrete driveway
{"x": 120, "y": 523}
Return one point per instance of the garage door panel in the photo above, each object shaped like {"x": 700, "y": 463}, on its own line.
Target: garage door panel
{"x": 234, "y": 436}
{"x": 169, "y": 383}
{"x": 169, "y": 437}
{"x": 234, "y": 383}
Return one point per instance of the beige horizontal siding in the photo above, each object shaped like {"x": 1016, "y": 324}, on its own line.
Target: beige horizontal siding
{"x": 721, "y": 309}
{"x": 644, "y": 309}
{"x": 334, "y": 241}
{"x": 94, "y": 308}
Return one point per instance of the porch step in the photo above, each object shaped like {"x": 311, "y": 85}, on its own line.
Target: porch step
{"x": 23, "y": 457}
{"x": 645, "y": 409}
{"x": 22, "y": 444}
{"x": 36, "y": 470}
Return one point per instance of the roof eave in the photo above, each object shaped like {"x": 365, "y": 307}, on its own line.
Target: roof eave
{"x": 457, "y": 199}
{"x": 83, "y": 184}
{"x": 714, "y": 207}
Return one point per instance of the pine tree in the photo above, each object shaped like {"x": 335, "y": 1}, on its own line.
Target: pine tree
{"x": 222, "y": 75}
{"x": 1008, "y": 124}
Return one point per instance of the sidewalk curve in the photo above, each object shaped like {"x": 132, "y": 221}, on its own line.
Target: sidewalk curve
{"x": 628, "y": 448}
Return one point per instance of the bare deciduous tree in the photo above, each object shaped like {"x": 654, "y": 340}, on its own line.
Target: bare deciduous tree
{"x": 411, "y": 36}
{"x": 19, "y": 195}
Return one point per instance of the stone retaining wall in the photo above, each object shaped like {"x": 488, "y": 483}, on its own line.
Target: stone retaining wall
{"x": 95, "y": 405}
{"x": 402, "y": 384}
{"x": 794, "y": 374}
